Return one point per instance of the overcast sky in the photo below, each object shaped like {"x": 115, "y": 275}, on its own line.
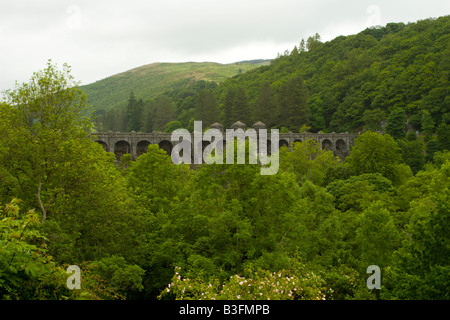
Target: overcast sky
{"x": 102, "y": 38}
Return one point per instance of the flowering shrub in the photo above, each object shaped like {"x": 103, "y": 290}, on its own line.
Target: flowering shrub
{"x": 259, "y": 285}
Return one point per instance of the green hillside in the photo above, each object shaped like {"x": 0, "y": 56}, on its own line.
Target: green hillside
{"x": 393, "y": 78}
{"x": 154, "y": 79}
{"x": 353, "y": 82}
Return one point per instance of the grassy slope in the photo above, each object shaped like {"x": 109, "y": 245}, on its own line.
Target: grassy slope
{"x": 151, "y": 80}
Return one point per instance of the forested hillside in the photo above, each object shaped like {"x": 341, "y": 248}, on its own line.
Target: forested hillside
{"x": 151, "y": 229}
{"x": 150, "y": 81}
{"x": 356, "y": 82}
{"x": 399, "y": 72}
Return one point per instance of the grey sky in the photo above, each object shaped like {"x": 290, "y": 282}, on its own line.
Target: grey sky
{"x": 102, "y": 38}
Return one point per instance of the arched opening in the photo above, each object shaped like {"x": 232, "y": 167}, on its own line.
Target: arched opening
{"x": 166, "y": 146}
{"x": 120, "y": 148}
{"x": 341, "y": 148}
{"x": 296, "y": 141}
{"x": 142, "y": 147}
{"x": 283, "y": 143}
{"x": 103, "y": 143}
{"x": 327, "y": 145}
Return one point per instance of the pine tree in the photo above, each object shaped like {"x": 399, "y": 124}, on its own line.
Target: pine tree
{"x": 313, "y": 42}
{"x": 164, "y": 113}
{"x": 293, "y": 109}
{"x": 133, "y": 115}
{"x": 228, "y": 110}
{"x": 206, "y": 107}
{"x": 265, "y": 106}
{"x": 302, "y": 47}
{"x": 148, "y": 118}
{"x": 241, "y": 108}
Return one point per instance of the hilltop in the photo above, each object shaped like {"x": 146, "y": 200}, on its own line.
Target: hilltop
{"x": 151, "y": 80}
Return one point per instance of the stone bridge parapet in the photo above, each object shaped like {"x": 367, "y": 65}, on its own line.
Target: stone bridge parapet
{"x": 136, "y": 143}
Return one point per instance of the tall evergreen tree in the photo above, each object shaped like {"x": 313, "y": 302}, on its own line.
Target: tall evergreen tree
{"x": 133, "y": 115}
{"x": 228, "y": 110}
{"x": 293, "y": 109}
{"x": 206, "y": 107}
{"x": 265, "y": 105}
{"x": 148, "y": 117}
{"x": 302, "y": 47}
{"x": 313, "y": 42}
{"x": 164, "y": 113}
{"x": 241, "y": 108}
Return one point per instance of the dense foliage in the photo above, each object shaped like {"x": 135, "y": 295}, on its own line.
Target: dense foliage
{"x": 150, "y": 229}
{"x": 393, "y": 78}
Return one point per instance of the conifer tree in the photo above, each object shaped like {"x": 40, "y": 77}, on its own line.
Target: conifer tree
{"x": 293, "y": 109}
{"x": 265, "y": 105}
{"x": 241, "y": 108}
{"x": 229, "y": 116}
{"x": 206, "y": 109}
{"x": 133, "y": 113}
{"x": 164, "y": 113}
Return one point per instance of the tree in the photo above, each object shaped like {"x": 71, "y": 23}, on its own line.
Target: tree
{"x": 133, "y": 115}
{"x": 241, "y": 108}
{"x": 396, "y": 123}
{"x": 60, "y": 171}
{"x": 153, "y": 178}
{"x": 293, "y": 109}
{"x": 294, "y": 51}
{"x": 313, "y": 42}
{"x": 427, "y": 125}
{"x": 377, "y": 236}
{"x": 42, "y": 115}
{"x": 148, "y": 117}
{"x": 228, "y": 107}
{"x": 308, "y": 161}
{"x": 121, "y": 276}
{"x": 172, "y": 126}
{"x": 206, "y": 108}
{"x": 421, "y": 267}
{"x": 374, "y": 152}
{"x": 265, "y": 106}
{"x": 164, "y": 112}
{"x": 413, "y": 153}
{"x": 372, "y": 119}
{"x": 26, "y": 270}
{"x": 443, "y": 136}
{"x": 302, "y": 47}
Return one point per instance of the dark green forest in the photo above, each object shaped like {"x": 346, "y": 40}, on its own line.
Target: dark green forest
{"x": 351, "y": 83}
{"x": 150, "y": 229}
